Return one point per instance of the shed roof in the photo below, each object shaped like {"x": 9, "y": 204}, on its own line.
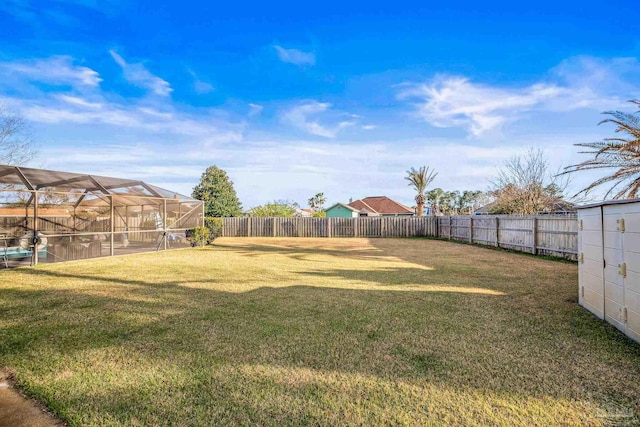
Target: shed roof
{"x": 609, "y": 202}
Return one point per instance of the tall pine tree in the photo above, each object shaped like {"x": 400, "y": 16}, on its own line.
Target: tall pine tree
{"x": 217, "y": 192}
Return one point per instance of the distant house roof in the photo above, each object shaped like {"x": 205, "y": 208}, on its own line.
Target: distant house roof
{"x": 484, "y": 210}
{"x": 381, "y": 205}
{"x": 304, "y": 212}
{"x": 344, "y": 206}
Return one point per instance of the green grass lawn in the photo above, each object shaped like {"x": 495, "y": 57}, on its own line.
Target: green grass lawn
{"x": 315, "y": 331}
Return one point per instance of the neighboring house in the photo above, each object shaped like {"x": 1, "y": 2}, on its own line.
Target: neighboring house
{"x": 381, "y": 206}
{"x": 484, "y": 210}
{"x": 340, "y": 210}
{"x": 304, "y": 213}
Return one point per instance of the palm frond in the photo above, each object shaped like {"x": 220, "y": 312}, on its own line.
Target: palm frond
{"x": 618, "y": 153}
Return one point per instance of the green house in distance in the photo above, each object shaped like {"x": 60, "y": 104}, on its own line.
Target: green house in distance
{"x": 369, "y": 207}
{"x": 340, "y": 210}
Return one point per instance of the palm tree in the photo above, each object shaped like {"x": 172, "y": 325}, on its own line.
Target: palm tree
{"x": 420, "y": 179}
{"x": 317, "y": 202}
{"x": 620, "y": 153}
{"x": 436, "y": 195}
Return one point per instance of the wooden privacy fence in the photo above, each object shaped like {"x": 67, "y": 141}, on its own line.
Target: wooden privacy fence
{"x": 553, "y": 235}
{"x": 330, "y": 227}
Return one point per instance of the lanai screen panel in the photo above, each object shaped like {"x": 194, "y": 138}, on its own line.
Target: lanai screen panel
{"x": 53, "y": 216}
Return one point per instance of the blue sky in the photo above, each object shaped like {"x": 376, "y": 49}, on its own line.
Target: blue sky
{"x": 294, "y": 98}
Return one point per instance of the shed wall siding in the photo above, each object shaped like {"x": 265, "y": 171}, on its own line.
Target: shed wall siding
{"x": 591, "y": 275}
{"x": 609, "y": 270}
{"x": 631, "y": 243}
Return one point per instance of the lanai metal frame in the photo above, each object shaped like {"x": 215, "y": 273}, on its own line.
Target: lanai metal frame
{"x": 68, "y": 208}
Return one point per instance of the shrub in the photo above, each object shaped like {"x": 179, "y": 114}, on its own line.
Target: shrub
{"x": 214, "y": 225}
{"x": 200, "y": 236}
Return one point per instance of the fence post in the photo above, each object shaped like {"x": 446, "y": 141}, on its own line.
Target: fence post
{"x": 328, "y": 227}
{"x": 111, "y": 226}
{"x": 35, "y": 241}
{"x": 406, "y": 227}
{"x": 450, "y": 227}
{"x": 382, "y": 224}
{"x": 355, "y": 227}
{"x": 470, "y": 229}
{"x": 535, "y": 235}
{"x": 204, "y": 216}
{"x": 248, "y": 226}
{"x": 497, "y": 232}
{"x": 164, "y": 224}
{"x": 274, "y": 223}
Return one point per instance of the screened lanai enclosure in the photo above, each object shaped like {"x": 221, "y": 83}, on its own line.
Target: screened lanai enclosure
{"x": 50, "y": 216}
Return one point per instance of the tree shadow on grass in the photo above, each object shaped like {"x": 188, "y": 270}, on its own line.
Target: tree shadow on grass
{"x": 381, "y": 276}
{"x": 412, "y": 261}
{"x": 115, "y": 339}
{"x": 300, "y": 251}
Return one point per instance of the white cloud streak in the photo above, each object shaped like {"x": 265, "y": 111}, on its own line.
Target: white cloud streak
{"x": 200, "y": 86}
{"x": 139, "y": 76}
{"x": 456, "y": 101}
{"x": 255, "y": 109}
{"x": 295, "y": 56}
{"x": 56, "y": 70}
{"x": 74, "y": 110}
{"x": 580, "y": 82}
{"x": 304, "y": 117}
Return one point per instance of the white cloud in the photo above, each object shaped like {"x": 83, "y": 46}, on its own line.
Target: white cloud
{"x": 56, "y": 70}
{"x": 255, "y": 109}
{"x": 200, "y": 86}
{"x": 302, "y": 117}
{"x": 78, "y": 106}
{"x": 65, "y": 109}
{"x": 76, "y": 100}
{"x": 138, "y": 75}
{"x": 295, "y": 56}
{"x": 456, "y": 101}
{"x": 580, "y": 82}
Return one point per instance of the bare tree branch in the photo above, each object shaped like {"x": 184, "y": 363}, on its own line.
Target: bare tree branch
{"x": 526, "y": 186}
{"x": 16, "y": 142}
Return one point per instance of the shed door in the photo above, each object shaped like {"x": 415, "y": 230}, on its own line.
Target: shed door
{"x": 590, "y": 272}
{"x": 631, "y": 244}
{"x": 613, "y": 257}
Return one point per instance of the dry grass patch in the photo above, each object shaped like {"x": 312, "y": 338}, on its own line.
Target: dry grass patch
{"x": 315, "y": 331}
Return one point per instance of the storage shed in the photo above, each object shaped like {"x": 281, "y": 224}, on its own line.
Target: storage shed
{"x": 609, "y": 263}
